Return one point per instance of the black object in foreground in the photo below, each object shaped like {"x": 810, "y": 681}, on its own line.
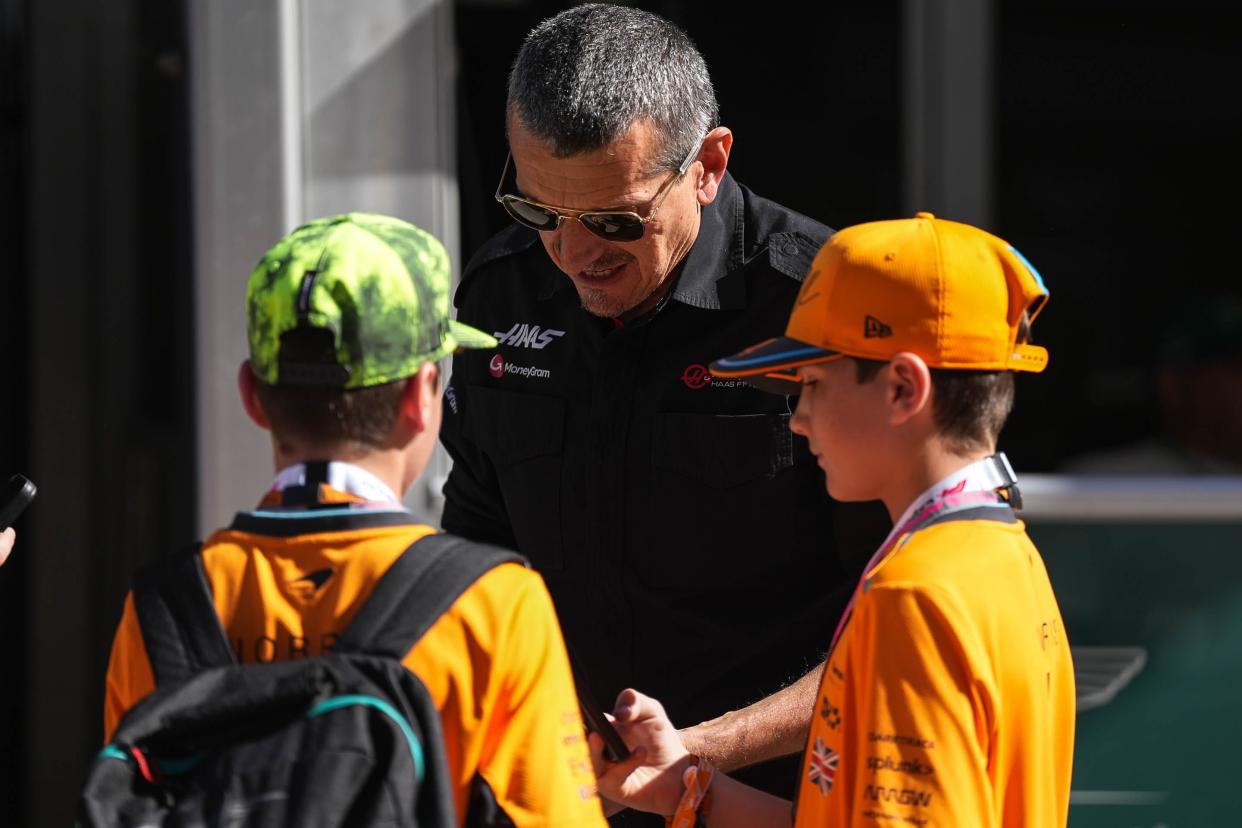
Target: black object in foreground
{"x": 17, "y": 496}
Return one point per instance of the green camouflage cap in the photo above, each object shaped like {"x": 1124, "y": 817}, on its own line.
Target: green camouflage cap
{"x": 350, "y": 302}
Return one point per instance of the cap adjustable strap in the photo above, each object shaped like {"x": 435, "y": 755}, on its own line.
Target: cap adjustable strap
{"x": 304, "y": 295}
{"x": 1001, "y": 478}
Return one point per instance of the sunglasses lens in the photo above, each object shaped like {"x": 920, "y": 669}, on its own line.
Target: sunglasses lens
{"x": 621, "y": 227}
{"x": 523, "y": 212}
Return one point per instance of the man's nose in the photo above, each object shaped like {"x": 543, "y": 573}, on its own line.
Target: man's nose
{"x": 575, "y": 246}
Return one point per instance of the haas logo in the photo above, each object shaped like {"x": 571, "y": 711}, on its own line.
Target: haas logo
{"x": 696, "y": 376}
{"x": 523, "y": 335}
{"x": 497, "y": 366}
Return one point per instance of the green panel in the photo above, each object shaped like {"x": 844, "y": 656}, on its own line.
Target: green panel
{"x": 1175, "y": 590}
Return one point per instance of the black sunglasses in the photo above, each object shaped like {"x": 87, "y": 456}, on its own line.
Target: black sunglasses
{"x": 612, "y": 225}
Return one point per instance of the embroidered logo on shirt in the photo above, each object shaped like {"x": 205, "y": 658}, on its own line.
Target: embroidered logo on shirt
{"x": 499, "y": 366}
{"x": 307, "y": 588}
{"x": 830, "y": 713}
{"x": 822, "y": 769}
{"x": 696, "y": 376}
{"x": 525, "y": 335}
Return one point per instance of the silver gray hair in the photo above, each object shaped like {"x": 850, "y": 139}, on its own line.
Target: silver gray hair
{"x": 583, "y": 77}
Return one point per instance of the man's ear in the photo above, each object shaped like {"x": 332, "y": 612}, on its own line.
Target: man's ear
{"x": 714, "y": 156}
{"x": 909, "y": 387}
{"x": 248, "y": 386}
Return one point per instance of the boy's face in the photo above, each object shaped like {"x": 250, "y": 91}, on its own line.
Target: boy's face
{"x": 847, "y": 425}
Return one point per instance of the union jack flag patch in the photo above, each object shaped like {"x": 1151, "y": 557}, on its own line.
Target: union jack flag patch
{"x": 822, "y": 769}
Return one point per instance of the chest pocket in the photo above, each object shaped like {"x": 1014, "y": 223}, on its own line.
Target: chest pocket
{"x": 523, "y": 435}
{"x": 722, "y": 451}
{"x": 728, "y": 475}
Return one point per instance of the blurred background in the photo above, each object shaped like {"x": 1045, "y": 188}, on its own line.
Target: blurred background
{"x": 150, "y": 150}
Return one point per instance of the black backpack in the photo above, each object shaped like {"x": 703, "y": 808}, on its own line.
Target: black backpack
{"x": 349, "y": 738}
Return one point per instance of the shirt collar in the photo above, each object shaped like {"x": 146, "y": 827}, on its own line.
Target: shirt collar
{"x": 718, "y": 249}
{"x": 344, "y": 477}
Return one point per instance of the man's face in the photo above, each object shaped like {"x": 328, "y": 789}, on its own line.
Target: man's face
{"x": 612, "y": 278}
{"x": 845, "y": 423}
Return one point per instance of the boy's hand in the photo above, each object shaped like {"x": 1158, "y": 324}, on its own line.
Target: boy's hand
{"x": 6, "y": 543}
{"x": 650, "y": 779}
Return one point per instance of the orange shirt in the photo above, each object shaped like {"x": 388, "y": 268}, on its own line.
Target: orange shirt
{"x": 494, "y": 663}
{"x": 949, "y": 698}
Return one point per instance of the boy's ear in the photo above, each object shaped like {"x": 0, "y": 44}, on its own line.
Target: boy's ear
{"x": 909, "y": 387}
{"x": 419, "y": 397}
{"x": 248, "y": 386}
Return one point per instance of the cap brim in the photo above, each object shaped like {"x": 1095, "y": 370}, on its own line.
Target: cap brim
{"x": 468, "y": 337}
{"x": 772, "y": 365}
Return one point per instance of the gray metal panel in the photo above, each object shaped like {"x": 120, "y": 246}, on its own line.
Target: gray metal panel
{"x": 303, "y": 110}
{"x": 948, "y": 108}
{"x": 239, "y": 211}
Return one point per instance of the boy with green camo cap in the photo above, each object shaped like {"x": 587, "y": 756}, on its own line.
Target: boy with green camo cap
{"x": 347, "y": 317}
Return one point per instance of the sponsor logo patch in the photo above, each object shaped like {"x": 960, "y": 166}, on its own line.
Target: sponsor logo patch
{"x": 830, "y": 713}
{"x": 900, "y": 796}
{"x": 898, "y": 739}
{"x": 525, "y": 335}
{"x": 307, "y": 588}
{"x": 499, "y": 367}
{"x": 696, "y": 377}
{"x": 911, "y": 767}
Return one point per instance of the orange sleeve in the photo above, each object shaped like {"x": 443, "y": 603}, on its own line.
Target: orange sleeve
{"x": 535, "y": 757}
{"x": 129, "y": 676}
{"x": 919, "y": 740}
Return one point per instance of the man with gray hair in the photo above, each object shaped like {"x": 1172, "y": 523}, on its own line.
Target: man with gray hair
{"x": 650, "y": 496}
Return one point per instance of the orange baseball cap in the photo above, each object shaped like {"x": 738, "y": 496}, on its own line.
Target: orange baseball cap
{"x": 951, "y": 293}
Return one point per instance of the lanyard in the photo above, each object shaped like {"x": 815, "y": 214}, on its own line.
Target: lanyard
{"x": 939, "y": 506}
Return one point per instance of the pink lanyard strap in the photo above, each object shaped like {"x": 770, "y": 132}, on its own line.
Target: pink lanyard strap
{"x": 936, "y": 508}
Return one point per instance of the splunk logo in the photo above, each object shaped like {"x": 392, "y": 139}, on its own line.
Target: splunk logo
{"x": 498, "y": 367}
{"x": 524, "y": 335}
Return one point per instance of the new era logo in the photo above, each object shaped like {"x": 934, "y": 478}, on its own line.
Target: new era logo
{"x": 875, "y": 329}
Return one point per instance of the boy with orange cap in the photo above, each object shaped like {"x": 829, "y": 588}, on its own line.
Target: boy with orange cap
{"x": 948, "y": 695}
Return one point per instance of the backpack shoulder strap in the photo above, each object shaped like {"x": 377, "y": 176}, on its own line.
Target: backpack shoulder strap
{"x": 416, "y": 590}
{"x": 177, "y": 616}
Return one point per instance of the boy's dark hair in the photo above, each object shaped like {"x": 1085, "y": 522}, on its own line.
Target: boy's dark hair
{"x": 324, "y": 416}
{"x": 327, "y": 416}
{"x": 970, "y": 407}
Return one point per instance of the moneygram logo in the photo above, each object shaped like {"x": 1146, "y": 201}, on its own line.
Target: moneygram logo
{"x": 525, "y": 335}
{"x": 498, "y": 367}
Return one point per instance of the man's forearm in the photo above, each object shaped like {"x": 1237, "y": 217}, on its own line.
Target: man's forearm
{"x": 769, "y": 728}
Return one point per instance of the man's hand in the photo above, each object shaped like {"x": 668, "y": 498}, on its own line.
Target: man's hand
{"x": 650, "y": 779}
{"x": 7, "y": 537}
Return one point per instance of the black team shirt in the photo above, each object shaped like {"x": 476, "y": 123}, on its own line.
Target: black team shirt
{"x": 683, "y": 530}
